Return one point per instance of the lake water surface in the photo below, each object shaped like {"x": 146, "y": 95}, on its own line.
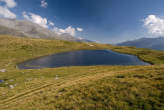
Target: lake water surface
{"x": 82, "y": 58}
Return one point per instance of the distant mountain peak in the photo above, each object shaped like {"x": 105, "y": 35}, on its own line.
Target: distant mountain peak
{"x": 152, "y": 43}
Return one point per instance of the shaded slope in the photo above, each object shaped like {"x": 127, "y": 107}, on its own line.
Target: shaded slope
{"x": 29, "y": 29}
{"x": 152, "y": 43}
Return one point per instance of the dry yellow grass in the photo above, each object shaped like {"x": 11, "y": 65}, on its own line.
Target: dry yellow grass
{"x": 78, "y": 88}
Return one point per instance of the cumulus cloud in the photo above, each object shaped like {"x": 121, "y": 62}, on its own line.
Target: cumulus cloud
{"x": 44, "y": 4}
{"x": 79, "y": 29}
{"x": 36, "y": 19}
{"x": 4, "y": 10}
{"x": 154, "y": 25}
{"x": 9, "y": 3}
{"x": 6, "y": 13}
{"x": 51, "y": 23}
{"x": 69, "y": 30}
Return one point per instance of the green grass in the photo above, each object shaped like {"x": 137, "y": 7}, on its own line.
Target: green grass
{"x": 78, "y": 88}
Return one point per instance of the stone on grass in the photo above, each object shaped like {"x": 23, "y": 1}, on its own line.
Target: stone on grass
{"x": 56, "y": 77}
{"x": 11, "y": 86}
{"x": 3, "y": 70}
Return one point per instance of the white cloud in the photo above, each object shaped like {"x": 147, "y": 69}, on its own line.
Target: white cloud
{"x": 36, "y": 19}
{"x": 69, "y": 30}
{"x": 51, "y": 23}
{"x": 44, "y": 4}
{"x": 155, "y": 25}
{"x": 4, "y": 10}
{"x": 6, "y": 13}
{"x": 80, "y": 38}
{"x": 9, "y": 3}
{"x": 25, "y": 15}
{"x": 79, "y": 29}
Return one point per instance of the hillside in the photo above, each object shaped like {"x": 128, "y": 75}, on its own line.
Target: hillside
{"x": 26, "y": 28}
{"x": 152, "y": 43}
{"x": 87, "y": 87}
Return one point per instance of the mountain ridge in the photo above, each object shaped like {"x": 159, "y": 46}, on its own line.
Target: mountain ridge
{"x": 151, "y": 43}
{"x": 26, "y": 28}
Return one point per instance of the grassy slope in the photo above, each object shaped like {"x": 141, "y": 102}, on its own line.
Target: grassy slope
{"x": 88, "y": 87}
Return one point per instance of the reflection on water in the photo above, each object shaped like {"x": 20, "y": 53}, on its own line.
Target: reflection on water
{"x": 82, "y": 58}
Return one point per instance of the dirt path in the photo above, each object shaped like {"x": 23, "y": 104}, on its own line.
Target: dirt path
{"x": 73, "y": 81}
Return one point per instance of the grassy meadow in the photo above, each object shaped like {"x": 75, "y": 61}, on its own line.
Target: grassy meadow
{"x": 78, "y": 87}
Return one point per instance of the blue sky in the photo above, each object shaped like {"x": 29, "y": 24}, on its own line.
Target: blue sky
{"x": 106, "y": 21}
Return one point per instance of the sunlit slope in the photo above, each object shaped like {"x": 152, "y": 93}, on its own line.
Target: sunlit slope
{"x": 15, "y": 49}
{"x": 91, "y": 88}
{"x": 75, "y": 88}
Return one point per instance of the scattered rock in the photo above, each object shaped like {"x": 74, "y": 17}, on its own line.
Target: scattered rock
{"x": 56, "y": 77}
{"x": 11, "y": 86}
{"x": 3, "y": 70}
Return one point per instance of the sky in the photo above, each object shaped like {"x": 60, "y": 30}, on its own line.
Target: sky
{"x": 105, "y": 21}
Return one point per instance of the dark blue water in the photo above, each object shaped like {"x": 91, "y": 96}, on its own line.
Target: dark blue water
{"x": 82, "y": 58}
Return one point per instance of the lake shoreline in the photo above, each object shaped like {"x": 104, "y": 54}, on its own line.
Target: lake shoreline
{"x": 27, "y": 66}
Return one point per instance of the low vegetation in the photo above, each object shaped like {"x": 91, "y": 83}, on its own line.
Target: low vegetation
{"x": 78, "y": 88}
